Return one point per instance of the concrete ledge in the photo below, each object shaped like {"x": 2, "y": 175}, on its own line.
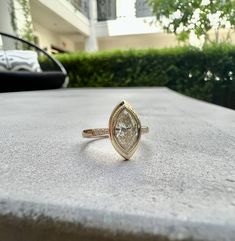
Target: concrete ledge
{"x": 54, "y": 185}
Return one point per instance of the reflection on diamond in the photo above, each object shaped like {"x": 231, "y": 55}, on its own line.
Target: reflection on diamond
{"x": 126, "y": 130}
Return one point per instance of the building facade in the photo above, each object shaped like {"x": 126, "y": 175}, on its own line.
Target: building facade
{"x": 90, "y": 25}
{"x": 86, "y": 25}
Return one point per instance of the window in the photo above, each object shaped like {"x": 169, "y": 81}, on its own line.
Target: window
{"x": 142, "y": 9}
{"x": 106, "y": 9}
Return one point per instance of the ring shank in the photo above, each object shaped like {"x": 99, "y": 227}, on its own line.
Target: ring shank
{"x": 104, "y": 132}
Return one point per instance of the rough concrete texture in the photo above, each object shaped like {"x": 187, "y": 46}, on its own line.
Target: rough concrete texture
{"x": 180, "y": 184}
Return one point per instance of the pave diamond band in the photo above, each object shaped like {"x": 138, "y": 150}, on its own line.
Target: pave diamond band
{"x": 124, "y": 130}
{"x": 93, "y": 133}
{"x": 104, "y": 132}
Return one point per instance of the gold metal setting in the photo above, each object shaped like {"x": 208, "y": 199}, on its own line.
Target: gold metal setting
{"x": 124, "y": 130}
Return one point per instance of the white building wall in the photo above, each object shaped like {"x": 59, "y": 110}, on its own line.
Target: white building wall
{"x": 47, "y": 38}
{"x": 125, "y": 8}
{"x": 127, "y": 26}
{"x": 140, "y": 41}
{"x": 91, "y": 41}
{"x": 66, "y": 11}
{"x": 80, "y": 46}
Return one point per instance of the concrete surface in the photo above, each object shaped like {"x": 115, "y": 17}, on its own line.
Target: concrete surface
{"x": 55, "y": 185}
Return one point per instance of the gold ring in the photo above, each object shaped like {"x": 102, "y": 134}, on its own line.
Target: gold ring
{"x": 124, "y": 130}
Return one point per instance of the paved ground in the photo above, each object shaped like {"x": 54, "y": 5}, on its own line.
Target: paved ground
{"x": 55, "y": 185}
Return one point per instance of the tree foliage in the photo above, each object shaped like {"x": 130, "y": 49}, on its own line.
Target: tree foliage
{"x": 22, "y": 28}
{"x": 27, "y": 30}
{"x": 185, "y": 17}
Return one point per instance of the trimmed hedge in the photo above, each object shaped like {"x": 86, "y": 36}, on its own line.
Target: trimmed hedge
{"x": 207, "y": 75}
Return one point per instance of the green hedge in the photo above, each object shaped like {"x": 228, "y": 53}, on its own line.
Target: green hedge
{"x": 208, "y": 75}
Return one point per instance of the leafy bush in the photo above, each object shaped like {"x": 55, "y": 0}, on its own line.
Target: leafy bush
{"x": 207, "y": 75}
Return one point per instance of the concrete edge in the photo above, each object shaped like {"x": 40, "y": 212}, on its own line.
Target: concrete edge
{"x": 42, "y": 219}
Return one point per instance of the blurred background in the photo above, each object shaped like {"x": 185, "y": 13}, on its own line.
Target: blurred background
{"x": 187, "y": 46}
{"x": 91, "y": 25}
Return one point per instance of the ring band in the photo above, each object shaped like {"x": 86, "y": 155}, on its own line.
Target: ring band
{"x": 104, "y": 132}
{"x": 124, "y": 130}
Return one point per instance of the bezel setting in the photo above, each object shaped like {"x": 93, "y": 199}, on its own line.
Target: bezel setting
{"x": 125, "y": 111}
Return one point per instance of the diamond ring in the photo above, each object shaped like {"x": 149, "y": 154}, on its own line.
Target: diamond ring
{"x": 124, "y": 130}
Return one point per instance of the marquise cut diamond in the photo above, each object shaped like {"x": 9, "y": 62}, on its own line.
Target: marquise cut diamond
{"x": 126, "y": 130}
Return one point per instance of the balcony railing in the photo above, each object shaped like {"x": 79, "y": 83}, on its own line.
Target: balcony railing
{"x": 81, "y": 6}
{"x": 107, "y": 9}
